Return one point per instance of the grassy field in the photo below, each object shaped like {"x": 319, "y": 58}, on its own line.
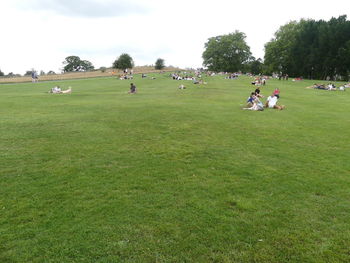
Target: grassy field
{"x": 171, "y": 175}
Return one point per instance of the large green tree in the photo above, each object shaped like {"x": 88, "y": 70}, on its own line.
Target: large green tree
{"x": 226, "y": 53}
{"x": 1, "y": 73}
{"x": 74, "y": 63}
{"x": 312, "y": 49}
{"x": 124, "y": 61}
{"x": 255, "y": 66}
{"x": 160, "y": 64}
{"x": 28, "y": 73}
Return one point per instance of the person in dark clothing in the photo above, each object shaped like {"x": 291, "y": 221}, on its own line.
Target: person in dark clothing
{"x": 132, "y": 89}
{"x": 257, "y": 92}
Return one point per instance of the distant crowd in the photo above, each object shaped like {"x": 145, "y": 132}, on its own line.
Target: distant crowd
{"x": 195, "y": 77}
{"x": 254, "y": 102}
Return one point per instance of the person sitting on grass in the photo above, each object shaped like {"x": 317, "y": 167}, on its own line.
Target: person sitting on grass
{"x": 195, "y": 81}
{"x": 331, "y": 86}
{"x": 272, "y": 103}
{"x": 256, "y": 106}
{"x": 276, "y": 92}
{"x": 257, "y": 92}
{"x": 57, "y": 90}
{"x": 250, "y": 100}
{"x": 322, "y": 86}
{"x": 257, "y": 81}
{"x": 132, "y": 89}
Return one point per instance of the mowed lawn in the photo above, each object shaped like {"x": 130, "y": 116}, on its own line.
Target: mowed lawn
{"x": 171, "y": 175}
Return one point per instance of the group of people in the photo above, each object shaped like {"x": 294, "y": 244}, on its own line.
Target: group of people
{"x": 330, "y": 86}
{"x": 254, "y": 102}
{"x": 280, "y": 76}
{"x": 126, "y": 71}
{"x": 176, "y": 76}
{"x": 259, "y": 81}
{"x": 126, "y": 76}
{"x": 283, "y": 76}
{"x": 195, "y": 80}
{"x": 232, "y": 76}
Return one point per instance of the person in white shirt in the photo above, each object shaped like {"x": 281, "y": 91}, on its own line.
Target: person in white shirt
{"x": 272, "y": 103}
{"x": 58, "y": 90}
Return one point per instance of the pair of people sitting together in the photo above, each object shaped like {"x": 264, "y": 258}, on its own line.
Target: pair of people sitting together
{"x": 330, "y": 86}
{"x": 255, "y": 104}
{"x": 276, "y": 93}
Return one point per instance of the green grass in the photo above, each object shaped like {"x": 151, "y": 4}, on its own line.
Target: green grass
{"x": 171, "y": 175}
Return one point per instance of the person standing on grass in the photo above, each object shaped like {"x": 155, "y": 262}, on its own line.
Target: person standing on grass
{"x": 34, "y": 76}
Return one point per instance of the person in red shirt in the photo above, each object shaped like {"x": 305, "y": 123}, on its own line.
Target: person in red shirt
{"x": 277, "y": 93}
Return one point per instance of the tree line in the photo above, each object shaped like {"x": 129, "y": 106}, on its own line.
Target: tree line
{"x": 76, "y": 64}
{"x": 306, "y": 48}
{"x": 312, "y": 49}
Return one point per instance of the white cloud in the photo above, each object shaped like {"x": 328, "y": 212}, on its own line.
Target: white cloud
{"x": 84, "y": 8}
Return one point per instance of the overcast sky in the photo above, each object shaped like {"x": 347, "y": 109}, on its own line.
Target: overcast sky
{"x": 39, "y": 34}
